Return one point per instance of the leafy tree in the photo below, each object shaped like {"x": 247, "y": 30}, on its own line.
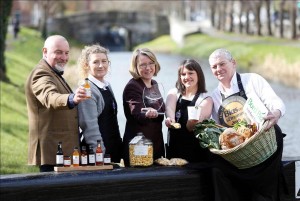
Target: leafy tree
{"x": 5, "y": 9}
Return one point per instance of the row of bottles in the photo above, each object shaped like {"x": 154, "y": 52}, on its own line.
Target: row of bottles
{"x": 86, "y": 158}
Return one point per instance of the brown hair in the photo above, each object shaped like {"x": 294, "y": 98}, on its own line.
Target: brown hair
{"x": 192, "y": 65}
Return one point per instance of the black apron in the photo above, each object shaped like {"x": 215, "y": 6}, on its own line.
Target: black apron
{"x": 258, "y": 183}
{"x": 183, "y": 143}
{"x": 109, "y": 127}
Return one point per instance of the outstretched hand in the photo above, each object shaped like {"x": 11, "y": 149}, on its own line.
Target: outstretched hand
{"x": 80, "y": 95}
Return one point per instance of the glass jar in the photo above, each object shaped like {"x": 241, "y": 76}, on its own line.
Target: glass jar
{"x": 140, "y": 151}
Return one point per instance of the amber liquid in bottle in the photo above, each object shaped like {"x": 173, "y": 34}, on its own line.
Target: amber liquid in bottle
{"x": 99, "y": 154}
{"x": 87, "y": 88}
{"x": 76, "y": 157}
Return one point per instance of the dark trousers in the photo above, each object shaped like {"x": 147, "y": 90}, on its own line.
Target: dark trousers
{"x": 258, "y": 183}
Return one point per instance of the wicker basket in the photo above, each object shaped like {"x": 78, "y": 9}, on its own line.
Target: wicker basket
{"x": 253, "y": 151}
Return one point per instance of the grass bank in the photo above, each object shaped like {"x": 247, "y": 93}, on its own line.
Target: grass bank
{"x": 275, "y": 59}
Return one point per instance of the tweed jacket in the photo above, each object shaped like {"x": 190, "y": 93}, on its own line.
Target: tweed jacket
{"x": 50, "y": 119}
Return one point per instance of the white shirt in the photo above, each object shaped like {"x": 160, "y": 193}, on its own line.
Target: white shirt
{"x": 101, "y": 85}
{"x": 253, "y": 84}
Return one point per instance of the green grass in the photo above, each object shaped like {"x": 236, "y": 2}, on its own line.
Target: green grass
{"x": 21, "y": 56}
{"x": 249, "y": 51}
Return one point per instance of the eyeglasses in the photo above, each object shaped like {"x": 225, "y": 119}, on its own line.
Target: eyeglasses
{"x": 144, "y": 66}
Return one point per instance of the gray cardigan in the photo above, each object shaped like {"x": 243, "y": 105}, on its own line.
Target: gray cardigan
{"x": 89, "y": 112}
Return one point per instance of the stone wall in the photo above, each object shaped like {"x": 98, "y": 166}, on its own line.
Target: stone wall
{"x": 88, "y": 27}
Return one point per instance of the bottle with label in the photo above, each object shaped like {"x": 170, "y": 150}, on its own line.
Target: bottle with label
{"x": 87, "y": 88}
{"x": 99, "y": 154}
{"x": 76, "y": 157}
{"x": 91, "y": 155}
{"x": 67, "y": 161}
{"x": 59, "y": 155}
{"x": 84, "y": 156}
{"x": 107, "y": 159}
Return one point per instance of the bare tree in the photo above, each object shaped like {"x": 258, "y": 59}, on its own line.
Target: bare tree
{"x": 269, "y": 21}
{"x": 231, "y": 25}
{"x": 293, "y": 17}
{"x": 213, "y": 4}
{"x": 257, "y": 6}
{"x": 5, "y": 9}
{"x": 248, "y": 9}
{"x": 221, "y": 10}
{"x": 281, "y": 29}
{"x": 241, "y": 25}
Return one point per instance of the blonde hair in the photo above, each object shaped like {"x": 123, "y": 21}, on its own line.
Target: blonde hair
{"x": 142, "y": 51}
{"x": 83, "y": 60}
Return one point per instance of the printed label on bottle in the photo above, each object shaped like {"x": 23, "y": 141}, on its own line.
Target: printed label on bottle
{"x": 92, "y": 158}
{"x": 88, "y": 92}
{"x": 107, "y": 160}
{"x": 75, "y": 160}
{"x": 84, "y": 160}
{"x": 140, "y": 150}
{"x": 99, "y": 157}
{"x": 60, "y": 159}
{"x": 67, "y": 162}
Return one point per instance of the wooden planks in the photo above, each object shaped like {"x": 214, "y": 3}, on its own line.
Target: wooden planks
{"x": 83, "y": 168}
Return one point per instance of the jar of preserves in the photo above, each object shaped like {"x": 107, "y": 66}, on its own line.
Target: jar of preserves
{"x": 140, "y": 151}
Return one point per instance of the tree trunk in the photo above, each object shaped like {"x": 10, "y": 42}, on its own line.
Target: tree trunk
{"x": 5, "y": 10}
{"x": 46, "y": 7}
{"x": 213, "y": 13}
{"x": 293, "y": 17}
{"x": 247, "y": 21}
{"x": 240, "y": 16}
{"x": 281, "y": 29}
{"x": 231, "y": 25}
{"x": 268, "y": 6}
{"x": 257, "y": 17}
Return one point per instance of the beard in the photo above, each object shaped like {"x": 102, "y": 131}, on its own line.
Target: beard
{"x": 60, "y": 67}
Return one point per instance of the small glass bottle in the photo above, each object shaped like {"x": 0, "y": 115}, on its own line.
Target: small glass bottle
{"x": 99, "y": 154}
{"x": 76, "y": 157}
{"x": 59, "y": 155}
{"x": 107, "y": 159}
{"x": 87, "y": 88}
{"x": 91, "y": 155}
{"x": 84, "y": 156}
{"x": 67, "y": 161}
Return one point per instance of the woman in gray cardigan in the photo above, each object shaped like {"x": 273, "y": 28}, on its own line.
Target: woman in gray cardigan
{"x": 98, "y": 115}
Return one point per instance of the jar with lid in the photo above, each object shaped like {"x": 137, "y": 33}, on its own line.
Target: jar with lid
{"x": 140, "y": 151}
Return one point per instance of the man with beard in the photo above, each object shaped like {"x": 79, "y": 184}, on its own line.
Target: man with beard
{"x": 51, "y": 105}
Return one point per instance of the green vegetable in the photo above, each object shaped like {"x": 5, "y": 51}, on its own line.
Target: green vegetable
{"x": 240, "y": 124}
{"x": 208, "y": 133}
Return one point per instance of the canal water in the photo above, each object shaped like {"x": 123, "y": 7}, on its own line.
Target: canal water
{"x": 119, "y": 75}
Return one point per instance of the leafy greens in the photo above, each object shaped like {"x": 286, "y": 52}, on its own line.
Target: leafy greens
{"x": 208, "y": 133}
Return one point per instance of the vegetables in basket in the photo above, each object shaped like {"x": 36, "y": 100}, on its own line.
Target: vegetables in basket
{"x": 208, "y": 133}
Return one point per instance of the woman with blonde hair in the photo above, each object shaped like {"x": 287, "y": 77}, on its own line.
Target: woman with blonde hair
{"x": 144, "y": 66}
{"x": 98, "y": 115}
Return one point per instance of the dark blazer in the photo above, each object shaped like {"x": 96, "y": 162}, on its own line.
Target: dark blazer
{"x": 50, "y": 119}
{"x": 137, "y": 122}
